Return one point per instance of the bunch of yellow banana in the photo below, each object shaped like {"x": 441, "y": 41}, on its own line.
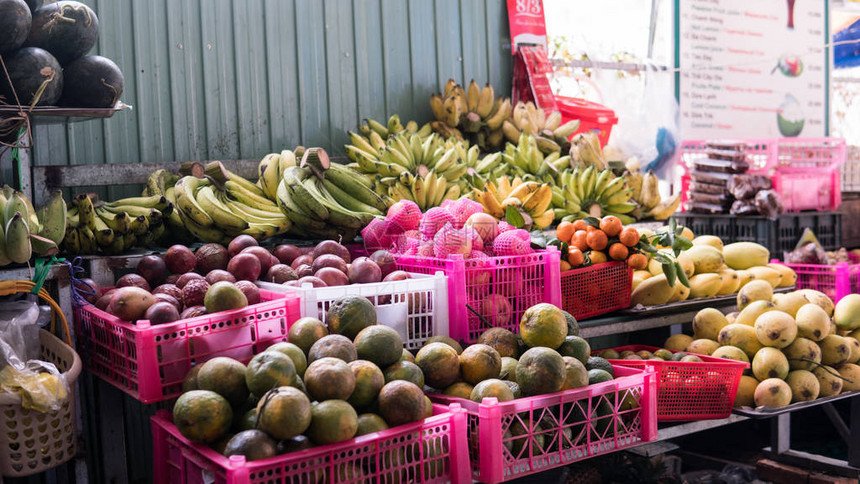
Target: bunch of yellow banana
{"x": 648, "y": 197}
{"x": 526, "y": 160}
{"x": 585, "y": 151}
{"x": 271, "y": 170}
{"x": 224, "y": 205}
{"x": 591, "y": 193}
{"x": 24, "y": 232}
{"x": 337, "y": 204}
{"x": 424, "y": 170}
{"x": 532, "y": 200}
{"x": 550, "y": 135}
{"x": 111, "y": 228}
{"x": 474, "y": 113}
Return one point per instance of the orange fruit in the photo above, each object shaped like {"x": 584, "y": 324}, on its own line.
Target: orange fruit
{"x": 564, "y": 231}
{"x": 637, "y": 261}
{"x": 590, "y": 228}
{"x": 597, "y": 240}
{"x": 629, "y": 236}
{"x": 579, "y": 225}
{"x": 618, "y": 251}
{"x": 597, "y": 257}
{"x": 564, "y": 266}
{"x": 575, "y": 257}
{"x": 579, "y": 240}
{"x": 611, "y": 225}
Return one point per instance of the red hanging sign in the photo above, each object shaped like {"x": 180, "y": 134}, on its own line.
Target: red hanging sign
{"x": 527, "y": 23}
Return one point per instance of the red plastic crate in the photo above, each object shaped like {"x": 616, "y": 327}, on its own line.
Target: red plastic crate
{"x": 522, "y": 280}
{"x": 567, "y": 432}
{"x": 149, "y": 362}
{"x": 433, "y": 450}
{"x": 805, "y": 171}
{"x": 836, "y": 281}
{"x": 598, "y": 289}
{"x": 592, "y": 117}
{"x": 691, "y": 390}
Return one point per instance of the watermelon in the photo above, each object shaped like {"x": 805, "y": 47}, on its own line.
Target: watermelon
{"x": 15, "y": 20}
{"x": 66, "y": 29}
{"x": 92, "y": 81}
{"x": 29, "y": 68}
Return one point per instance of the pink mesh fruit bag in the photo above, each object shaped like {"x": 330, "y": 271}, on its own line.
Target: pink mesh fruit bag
{"x": 433, "y": 220}
{"x": 403, "y": 216}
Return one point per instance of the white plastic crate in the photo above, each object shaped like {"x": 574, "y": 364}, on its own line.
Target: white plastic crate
{"x": 417, "y": 308}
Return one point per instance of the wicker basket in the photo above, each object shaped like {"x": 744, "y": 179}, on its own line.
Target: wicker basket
{"x": 30, "y": 441}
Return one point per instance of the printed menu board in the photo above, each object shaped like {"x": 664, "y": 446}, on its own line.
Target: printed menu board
{"x": 752, "y": 68}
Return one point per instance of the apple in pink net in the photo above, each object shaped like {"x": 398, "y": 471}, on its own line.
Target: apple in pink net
{"x": 363, "y": 270}
{"x": 497, "y": 309}
{"x": 240, "y": 243}
{"x": 245, "y": 266}
{"x": 485, "y": 224}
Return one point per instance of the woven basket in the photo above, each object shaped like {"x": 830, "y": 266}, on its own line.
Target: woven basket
{"x": 32, "y": 442}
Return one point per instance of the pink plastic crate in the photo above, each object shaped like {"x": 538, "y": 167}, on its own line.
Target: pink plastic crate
{"x": 149, "y": 362}
{"x": 805, "y": 171}
{"x": 836, "y": 281}
{"x": 560, "y": 428}
{"x": 433, "y": 450}
{"x": 598, "y": 289}
{"x": 689, "y": 390}
{"x": 487, "y": 284}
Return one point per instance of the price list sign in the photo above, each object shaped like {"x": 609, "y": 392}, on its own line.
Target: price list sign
{"x": 752, "y": 68}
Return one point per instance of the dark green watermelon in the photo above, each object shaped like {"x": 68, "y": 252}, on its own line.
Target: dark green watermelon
{"x": 29, "y": 68}
{"x": 66, "y": 29}
{"x": 15, "y": 20}
{"x": 92, "y": 81}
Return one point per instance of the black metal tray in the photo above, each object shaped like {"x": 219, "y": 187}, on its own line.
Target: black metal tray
{"x": 688, "y": 305}
{"x": 767, "y": 412}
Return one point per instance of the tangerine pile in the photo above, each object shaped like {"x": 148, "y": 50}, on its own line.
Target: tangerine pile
{"x": 593, "y": 241}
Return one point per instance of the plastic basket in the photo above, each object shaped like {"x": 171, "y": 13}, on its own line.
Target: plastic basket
{"x": 691, "y": 390}
{"x": 779, "y": 235}
{"x": 592, "y": 117}
{"x": 433, "y": 450}
{"x": 851, "y": 170}
{"x": 598, "y": 289}
{"x": 570, "y": 428}
{"x": 417, "y": 308}
{"x": 32, "y": 441}
{"x": 836, "y": 281}
{"x": 149, "y": 362}
{"x": 805, "y": 172}
{"x": 487, "y": 285}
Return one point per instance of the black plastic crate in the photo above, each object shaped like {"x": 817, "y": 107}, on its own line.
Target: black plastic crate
{"x": 778, "y": 235}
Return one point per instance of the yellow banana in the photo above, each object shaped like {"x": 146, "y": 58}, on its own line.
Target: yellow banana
{"x": 485, "y": 101}
{"x": 524, "y": 190}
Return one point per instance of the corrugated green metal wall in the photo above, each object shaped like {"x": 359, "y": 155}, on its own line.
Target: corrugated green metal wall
{"x": 234, "y": 79}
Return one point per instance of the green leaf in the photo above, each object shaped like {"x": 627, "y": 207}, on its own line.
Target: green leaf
{"x": 592, "y": 221}
{"x": 670, "y": 272}
{"x": 673, "y": 226}
{"x": 514, "y": 217}
{"x": 646, "y": 247}
{"x": 681, "y": 243}
{"x": 682, "y": 277}
{"x": 538, "y": 240}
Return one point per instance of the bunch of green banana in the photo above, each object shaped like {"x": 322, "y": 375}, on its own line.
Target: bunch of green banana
{"x": 375, "y": 133}
{"x": 111, "y": 228}
{"x": 591, "y": 193}
{"x": 338, "y": 204}
{"x": 474, "y": 113}
{"x": 550, "y": 135}
{"x": 426, "y": 171}
{"x": 22, "y": 231}
{"x": 526, "y": 160}
{"x": 585, "y": 151}
{"x": 218, "y": 208}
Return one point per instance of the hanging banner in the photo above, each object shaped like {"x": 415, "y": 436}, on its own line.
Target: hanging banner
{"x": 527, "y": 23}
{"x": 752, "y": 69}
